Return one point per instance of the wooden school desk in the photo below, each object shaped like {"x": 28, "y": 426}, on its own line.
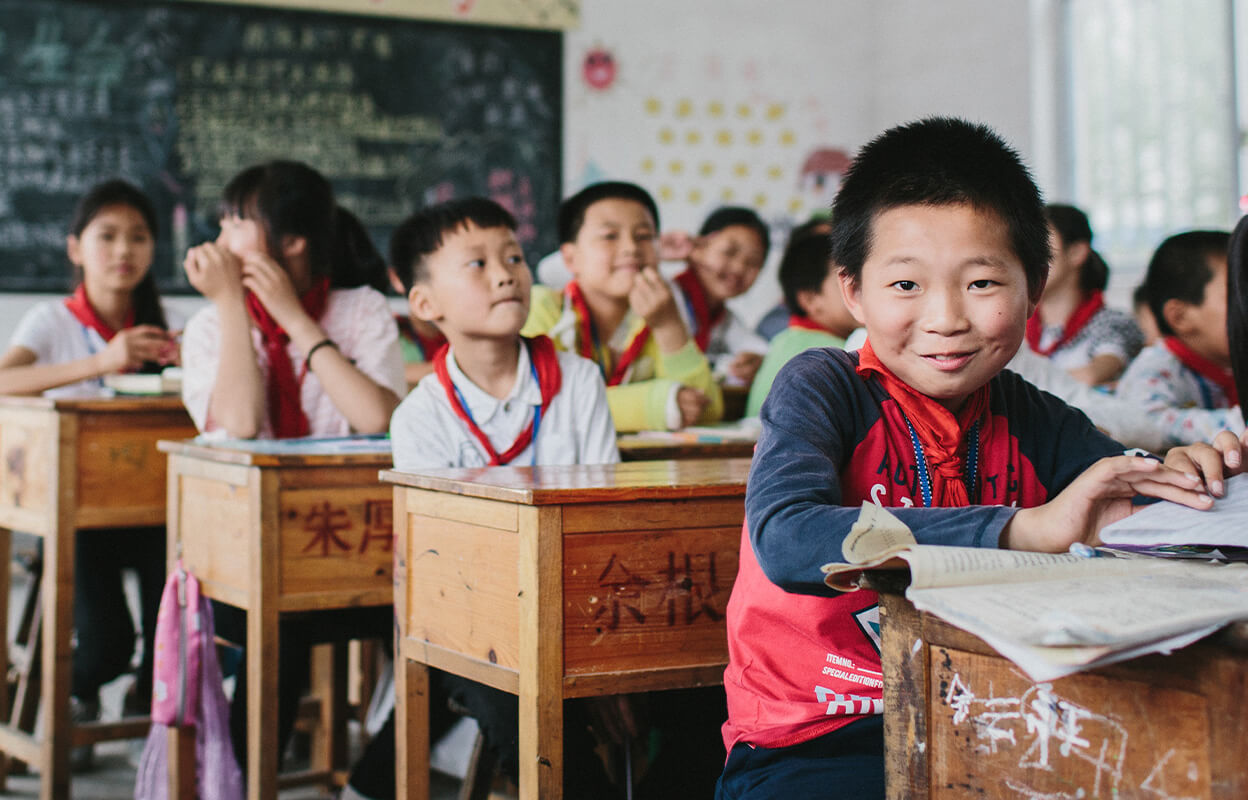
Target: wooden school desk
{"x": 558, "y": 582}
{"x": 69, "y": 465}
{"x": 960, "y": 721}
{"x": 275, "y": 528}
{"x": 640, "y": 447}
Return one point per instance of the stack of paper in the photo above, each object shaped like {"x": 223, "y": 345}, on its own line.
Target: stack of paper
{"x": 1051, "y": 614}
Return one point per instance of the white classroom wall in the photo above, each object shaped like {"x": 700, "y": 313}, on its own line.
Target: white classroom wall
{"x": 722, "y": 100}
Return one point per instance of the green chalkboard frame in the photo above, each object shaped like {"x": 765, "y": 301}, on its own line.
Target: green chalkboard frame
{"x": 178, "y": 96}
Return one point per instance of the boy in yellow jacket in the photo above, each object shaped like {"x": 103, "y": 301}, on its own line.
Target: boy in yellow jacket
{"x": 620, "y": 313}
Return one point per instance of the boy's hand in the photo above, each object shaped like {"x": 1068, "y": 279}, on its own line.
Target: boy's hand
{"x": 1223, "y": 458}
{"x": 133, "y": 346}
{"x": 272, "y": 286}
{"x": 1101, "y": 495}
{"x": 675, "y": 245}
{"x": 744, "y": 366}
{"x": 691, "y": 402}
{"x": 215, "y": 272}
{"x": 653, "y": 300}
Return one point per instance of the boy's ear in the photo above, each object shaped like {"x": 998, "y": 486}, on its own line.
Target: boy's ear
{"x": 567, "y": 251}
{"x": 1178, "y": 315}
{"x": 852, "y": 295}
{"x": 422, "y": 304}
{"x": 294, "y": 245}
{"x": 1078, "y": 252}
{"x": 806, "y": 299}
{"x": 73, "y": 248}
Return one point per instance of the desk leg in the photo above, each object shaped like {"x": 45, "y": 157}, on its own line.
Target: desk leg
{"x": 263, "y": 667}
{"x": 541, "y": 654}
{"x": 411, "y": 729}
{"x": 58, "y": 623}
{"x": 6, "y": 553}
{"x": 182, "y": 766}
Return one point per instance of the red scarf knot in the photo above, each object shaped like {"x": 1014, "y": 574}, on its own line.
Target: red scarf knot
{"x": 704, "y": 319}
{"x": 589, "y": 347}
{"x": 942, "y": 434}
{"x": 84, "y": 312}
{"x": 286, "y": 414}
{"x": 1079, "y": 318}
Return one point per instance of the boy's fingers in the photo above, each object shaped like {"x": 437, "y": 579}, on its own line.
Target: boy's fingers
{"x": 1168, "y": 491}
{"x": 1229, "y": 445}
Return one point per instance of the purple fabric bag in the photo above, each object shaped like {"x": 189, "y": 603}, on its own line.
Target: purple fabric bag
{"x": 187, "y": 687}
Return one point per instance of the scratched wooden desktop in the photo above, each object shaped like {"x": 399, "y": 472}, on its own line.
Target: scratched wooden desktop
{"x": 72, "y": 465}
{"x": 278, "y": 533}
{"x": 960, "y": 721}
{"x": 558, "y": 582}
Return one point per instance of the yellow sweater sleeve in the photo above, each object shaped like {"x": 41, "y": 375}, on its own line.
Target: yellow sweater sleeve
{"x": 545, "y": 308}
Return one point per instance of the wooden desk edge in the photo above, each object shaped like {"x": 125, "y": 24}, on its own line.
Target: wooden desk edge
{"x": 221, "y": 454}
{"x": 119, "y": 403}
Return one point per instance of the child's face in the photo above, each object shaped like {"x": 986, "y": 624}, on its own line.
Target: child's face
{"x": 114, "y": 250}
{"x": 477, "y": 285}
{"x": 943, "y": 297}
{"x": 727, "y": 262}
{"x": 617, "y": 240}
{"x": 242, "y": 237}
{"x": 827, "y": 307}
{"x": 1204, "y": 326}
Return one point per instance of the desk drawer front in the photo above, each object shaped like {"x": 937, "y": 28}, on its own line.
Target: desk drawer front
{"x": 994, "y": 733}
{"x": 27, "y": 482}
{"x": 121, "y": 474}
{"x": 647, "y": 599}
{"x": 337, "y": 546}
{"x": 214, "y": 525}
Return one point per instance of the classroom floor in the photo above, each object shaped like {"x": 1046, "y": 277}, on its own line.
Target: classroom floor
{"x": 112, "y": 777}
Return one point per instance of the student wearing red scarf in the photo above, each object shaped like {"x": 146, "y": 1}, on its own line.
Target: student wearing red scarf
{"x": 294, "y": 342}
{"x": 113, "y": 322}
{"x": 942, "y": 242}
{"x": 1184, "y": 380}
{"x": 1072, "y": 325}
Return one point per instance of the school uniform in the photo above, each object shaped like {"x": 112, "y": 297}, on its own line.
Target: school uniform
{"x": 720, "y": 335}
{"x": 1092, "y": 330}
{"x": 358, "y": 321}
{"x": 1189, "y": 398}
{"x": 801, "y": 335}
{"x": 103, "y": 627}
{"x": 642, "y": 381}
{"x": 804, "y": 661}
{"x": 432, "y": 427}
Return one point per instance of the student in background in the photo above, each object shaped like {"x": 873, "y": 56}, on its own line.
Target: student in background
{"x": 113, "y": 322}
{"x": 419, "y": 341}
{"x": 941, "y": 239}
{"x": 620, "y": 313}
{"x": 723, "y": 262}
{"x": 1144, "y": 315}
{"x": 494, "y": 398}
{"x": 812, "y": 286}
{"x": 1185, "y": 379}
{"x": 295, "y": 342}
{"x": 1071, "y": 324}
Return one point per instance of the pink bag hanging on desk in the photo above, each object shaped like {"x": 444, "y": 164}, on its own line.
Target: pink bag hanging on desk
{"x": 187, "y": 691}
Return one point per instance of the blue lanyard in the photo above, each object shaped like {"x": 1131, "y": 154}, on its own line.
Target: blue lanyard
{"x": 971, "y": 478}
{"x": 537, "y": 410}
{"x": 98, "y": 380}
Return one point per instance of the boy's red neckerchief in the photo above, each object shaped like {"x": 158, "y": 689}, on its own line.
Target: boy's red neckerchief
{"x": 1203, "y": 367}
{"x": 589, "y": 347}
{"x": 940, "y": 433}
{"x": 285, "y": 409}
{"x": 83, "y": 311}
{"x": 704, "y": 320}
{"x": 806, "y": 323}
{"x": 545, "y": 364}
{"x": 1084, "y": 312}
{"x": 429, "y": 345}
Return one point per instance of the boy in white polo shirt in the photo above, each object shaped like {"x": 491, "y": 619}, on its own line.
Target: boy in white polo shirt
{"x": 494, "y": 397}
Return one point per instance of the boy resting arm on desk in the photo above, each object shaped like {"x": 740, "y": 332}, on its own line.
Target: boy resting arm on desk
{"x": 943, "y": 247}
{"x": 620, "y": 313}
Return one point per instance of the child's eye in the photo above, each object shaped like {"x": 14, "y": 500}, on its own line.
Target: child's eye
{"x": 477, "y": 262}
{"x": 515, "y": 259}
{"x": 905, "y": 286}
{"x": 983, "y": 283}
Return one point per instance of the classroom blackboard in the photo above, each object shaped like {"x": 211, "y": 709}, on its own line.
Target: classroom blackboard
{"x": 178, "y": 97}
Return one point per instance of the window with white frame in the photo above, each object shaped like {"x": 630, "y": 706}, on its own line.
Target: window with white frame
{"x": 1152, "y": 135}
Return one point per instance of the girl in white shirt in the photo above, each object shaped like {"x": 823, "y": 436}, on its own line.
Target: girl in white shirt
{"x": 113, "y": 322}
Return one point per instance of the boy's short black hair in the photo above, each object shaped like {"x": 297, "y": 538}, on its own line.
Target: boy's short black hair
{"x": 728, "y": 216}
{"x": 421, "y": 234}
{"x": 940, "y": 161}
{"x": 805, "y": 265}
{"x": 572, "y": 210}
{"x": 1180, "y": 270}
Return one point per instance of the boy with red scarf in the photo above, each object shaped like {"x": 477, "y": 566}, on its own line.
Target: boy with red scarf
{"x": 724, "y": 261}
{"x": 620, "y": 313}
{"x": 1185, "y": 379}
{"x": 941, "y": 239}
